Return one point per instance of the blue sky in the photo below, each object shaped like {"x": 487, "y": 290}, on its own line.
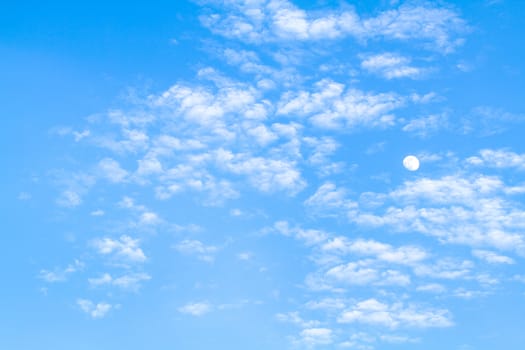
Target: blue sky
{"x": 228, "y": 174}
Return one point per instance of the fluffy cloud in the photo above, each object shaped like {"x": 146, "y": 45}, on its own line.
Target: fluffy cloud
{"x": 280, "y": 20}
{"x": 308, "y": 236}
{"x": 391, "y": 66}
{"x": 470, "y": 210}
{"x": 264, "y": 174}
{"x": 95, "y": 310}
{"x": 331, "y": 106}
{"x": 316, "y": 336}
{"x": 492, "y": 257}
{"x": 111, "y": 170}
{"x": 124, "y": 247}
{"x": 360, "y": 273}
{"x": 399, "y": 255}
{"x": 373, "y": 312}
{"x": 498, "y": 159}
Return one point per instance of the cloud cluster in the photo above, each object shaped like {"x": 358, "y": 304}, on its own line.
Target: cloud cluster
{"x": 439, "y": 28}
{"x": 475, "y": 210}
{"x": 373, "y": 312}
{"x": 95, "y": 310}
{"x": 125, "y": 248}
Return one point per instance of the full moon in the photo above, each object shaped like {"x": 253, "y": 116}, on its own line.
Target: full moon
{"x": 411, "y": 163}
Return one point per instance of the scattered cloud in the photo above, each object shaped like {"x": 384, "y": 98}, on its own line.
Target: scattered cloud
{"x": 425, "y": 126}
{"x": 294, "y": 318}
{"x": 331, "y": 106}
{"x": 61, "y": 274}
{"x": 69, "y": 199}
{"x": 500, "y": 159}
{"x": 439, "y": 28}
{"x": 316, "y": 336}
{"x": 95, "y": 310}
{"x": 492, "y": 257}
{"x": 124, "y": 247}
{"x": 111, "y": 170}
{"x": 391, "y": 66}
{"x": 374, "y": 312}
{"x": 197, "y": 248}
{"x": 196, "y": 309}
{"x": 129, "y": 281}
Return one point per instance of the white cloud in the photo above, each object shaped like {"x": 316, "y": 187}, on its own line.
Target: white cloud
{"x": 308, "y": 236}
{"x": 236, "y": 212}
{"x": 328, "y": 198}
{"x": 316, "y": 336}
{"x": 245, "y": 256}
{"x": 129, "y": 203}
{"x": 265, "y": 174}
{"x": 69, "y": 198}
{"x": 196, "y": 309}
{"x": 405, "y": 255}
{"x": 322, "y": 150}
{"x": 110, "y": 169}
{"x": 364, "y": 273}
{"x": 398, "y": 339}
{"x": 492, "y": 257}
{"x": 149, "y": 218}
{"x": 129, "y": 281}
{"x": 294, "y": 318}
{"x": 498, "y": 159}
{"x": 247, "y": 61}
{"x": 469, "y": 294}
{"x": 79, "y": 135}
{"x": 469, "y": 210}
{"x": 131, "y": 140}
{"x": 445, "y": 268}
{"x": 98, "y": 310}
{"x": 373, "y": 312}
{"x": 391, "y": 66}
{"x": 61, "y": 274}
{"x": 331, "y": 107}
{"x": 149, "y": 165}
{"x": 424, "y": 126}
{"x": 327, "y": 304}
{"x": 195, "y": 247}
{"x": 73, "y": 186}
{"x": 431, "y": 288}
{"x": 102, "y": 280}
{"x": 125, "y": 247}
{"x": 486, "y": 121}
{"x": 280, "y": 20}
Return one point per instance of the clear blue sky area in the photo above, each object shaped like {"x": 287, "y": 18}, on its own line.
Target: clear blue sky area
{"x": 232, "y": 174}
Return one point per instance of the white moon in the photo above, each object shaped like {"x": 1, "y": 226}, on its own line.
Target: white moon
{"x": 411, "y": 163}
